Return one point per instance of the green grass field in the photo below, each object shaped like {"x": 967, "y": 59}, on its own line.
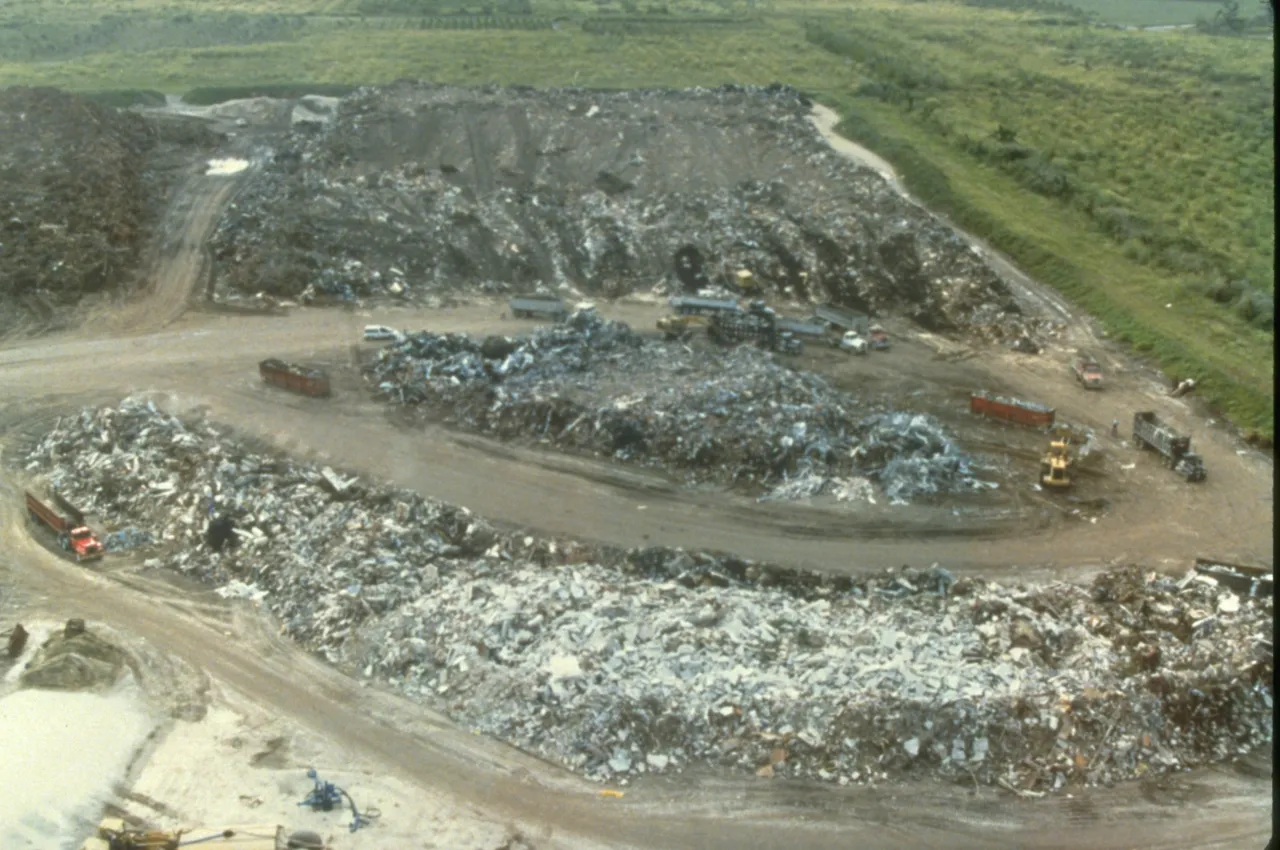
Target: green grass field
{"x": 1131, "y": 170}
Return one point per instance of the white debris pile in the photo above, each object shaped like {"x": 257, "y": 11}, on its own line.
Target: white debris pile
{"x": 625, "y": 663}
{"x": 734, "y": 416}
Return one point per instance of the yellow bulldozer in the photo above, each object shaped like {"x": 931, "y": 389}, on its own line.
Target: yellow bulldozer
{"x": 1055, "y": 465}
{"x": 680, "y": 327}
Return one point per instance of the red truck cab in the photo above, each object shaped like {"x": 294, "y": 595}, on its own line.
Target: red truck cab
{"x": 84, "y": 544}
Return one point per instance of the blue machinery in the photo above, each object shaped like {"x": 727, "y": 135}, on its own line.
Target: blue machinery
{"x": 326, "y": 796}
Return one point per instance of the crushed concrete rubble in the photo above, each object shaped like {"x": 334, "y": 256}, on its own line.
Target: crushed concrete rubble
{"x": 411, "y": 190}
{"x": 620, "y": 664}
{"x": 730, "y": 415}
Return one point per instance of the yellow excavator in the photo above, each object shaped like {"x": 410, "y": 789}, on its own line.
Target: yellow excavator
{"x": 679, "y": 327}
{"x": 1055, "y": 465}
{"x": 114, "y": 834}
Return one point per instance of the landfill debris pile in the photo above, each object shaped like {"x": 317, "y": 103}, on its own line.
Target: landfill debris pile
{"x": 729, "y": 415}
{"x": 80, "y": 185}
{"x": 422, "y": 192}
{"x": 649, "y": 661}
{"x": 74, "y": 659}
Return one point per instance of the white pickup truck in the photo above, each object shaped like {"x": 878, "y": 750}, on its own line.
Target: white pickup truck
{"x": 853, "y": 342}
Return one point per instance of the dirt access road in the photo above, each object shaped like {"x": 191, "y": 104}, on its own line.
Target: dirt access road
{"x": 207, "y": 360}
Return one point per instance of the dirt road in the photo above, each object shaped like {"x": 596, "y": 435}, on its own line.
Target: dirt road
{"x": 208, "y": 360}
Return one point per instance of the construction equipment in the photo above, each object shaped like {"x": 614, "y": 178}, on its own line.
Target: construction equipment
{"x": 1055, "y": 465}
{"x": 686, "y": 305}
{"x": 326, "y": 796}
{"x": 1014, "y": 410}
{"x": 531, "y": 306}
{"x": 1087, "y": 371}
{"x": 746, "y": 282}
{"x": 114, "y": 834}
{"x": 299, "y": 379}
{"x": 1151, "y": 433}
{"x": 72, "y": 533}
{"x": 680, "y": 327}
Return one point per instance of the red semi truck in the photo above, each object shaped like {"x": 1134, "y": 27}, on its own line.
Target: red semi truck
{"x": 299, "y": 379}
{"x": 1011, "y": 410}
{"x": 73, "y": 534}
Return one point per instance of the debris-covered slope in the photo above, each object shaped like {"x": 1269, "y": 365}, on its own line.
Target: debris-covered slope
{"x": 418, "y": 191}
{"x": 647, "y": 661}
{"x": 727, "y": 415}
{"x": 79, "y": 186}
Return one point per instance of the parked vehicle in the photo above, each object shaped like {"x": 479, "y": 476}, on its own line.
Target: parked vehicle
{"x": 1175, "y": 450}
{"x": 853, "y": 343}
{"x": 72, "y": 533}
{"x": 299, "y": 379}
{"x": 1011, "y": 409}
{"x": 758, "y": 324}
{"x": 1087, "y": 371}
{"x": 801, "y": 328}
{"x": 530, "y": 306}
{"x": 686, "y": 305}
{"x": 878, "y": 338}
{"x": 381, "y": 333}
{"x": 841, "y": 317}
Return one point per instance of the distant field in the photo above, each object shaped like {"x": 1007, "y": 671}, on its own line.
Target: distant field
{"x": 1148, "y": 13}
{"x": 1129, "y": 169}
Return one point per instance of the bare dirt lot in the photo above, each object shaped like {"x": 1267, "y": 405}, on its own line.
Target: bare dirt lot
{"x": 1130, "y": 510}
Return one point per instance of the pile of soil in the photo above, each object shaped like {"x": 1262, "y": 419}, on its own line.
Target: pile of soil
{"x": 74, "y": 659}
{"x": 80, "y": 184}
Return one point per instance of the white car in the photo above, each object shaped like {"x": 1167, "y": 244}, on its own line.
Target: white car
{"x": 381, "y": 333}
{"x": 851, "y": 341}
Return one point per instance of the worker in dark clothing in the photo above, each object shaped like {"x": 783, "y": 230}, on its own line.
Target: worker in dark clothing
{"x": 1115, "y": 427}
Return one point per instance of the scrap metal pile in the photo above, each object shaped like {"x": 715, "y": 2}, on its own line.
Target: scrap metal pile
{"x": 730, "y": 415}
{"x": 424, "y": 192}
{"x": 647, "y": 661}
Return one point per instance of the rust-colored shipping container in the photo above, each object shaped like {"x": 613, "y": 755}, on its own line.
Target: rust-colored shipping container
{"x": 1011, "y": 410}
{"x": 299, "y": 379}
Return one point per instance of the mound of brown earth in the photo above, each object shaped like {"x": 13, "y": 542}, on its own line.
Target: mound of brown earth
{"x": 74, "y": 660}
{"x": 79, "y": 184}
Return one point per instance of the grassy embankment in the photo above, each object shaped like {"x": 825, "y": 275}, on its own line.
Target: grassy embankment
{"x": 1129, "y": 170}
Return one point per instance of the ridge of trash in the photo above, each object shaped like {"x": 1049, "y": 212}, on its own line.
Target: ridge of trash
{"x": 621, "y": 663}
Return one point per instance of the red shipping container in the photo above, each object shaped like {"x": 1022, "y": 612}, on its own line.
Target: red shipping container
{"x": 1013, "y": 410}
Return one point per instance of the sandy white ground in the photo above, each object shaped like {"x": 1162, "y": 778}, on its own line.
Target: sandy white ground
{"x": 60, "y": 756}
{"x": 240, "y": 766}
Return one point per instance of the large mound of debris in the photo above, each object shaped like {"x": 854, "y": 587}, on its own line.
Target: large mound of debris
{"x": 728, "y": 415}
{"x": 422, "y": 192}
{"x": 75, "y": 659}
{"x": 646, "y": 661}
{"x": 79, "y": 185}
